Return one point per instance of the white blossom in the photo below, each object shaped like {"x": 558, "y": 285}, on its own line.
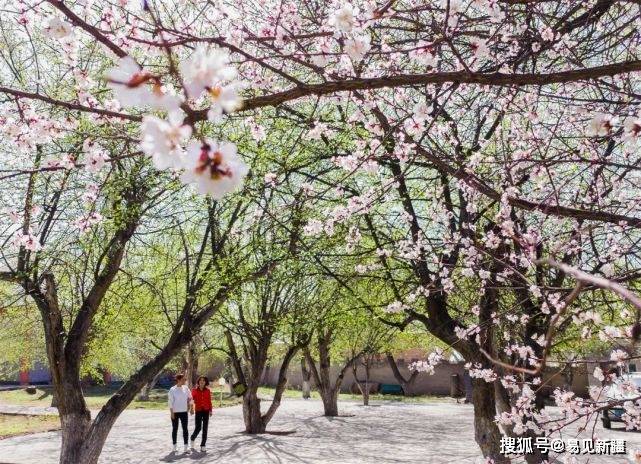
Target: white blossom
{"x": 207, "y": 70}
{"x": 58, "y": 29}
{"x": 85, "y": 223}
{"x": 162, "y": 140}
{"x": 357, "y": 47}
{"x": 214, "y": 168}
{"x": 632, "y": 127}
{"x": 344, "y": 18}
{"x": 619, "y": 356}
{"x": 318, "y": 130}
{"x": 598, "y": 374}
{"x": 135, "y": 87}
{"x": 428, "y": 365}
{"x": 313, "y": 227}
{"x": 394, "y": 307}
{"x": 480, "y": 48}
{"x": 27, "y": 240}
{"x": 14, "y": 216}
{"x": 95, "y": 156}
{"x": 424, "y": 55}
{"x": 270, "y": 179}
{"x": 224, "y": 99}
{"x": 548, "y": 34}
{"x": 602, "y": 124}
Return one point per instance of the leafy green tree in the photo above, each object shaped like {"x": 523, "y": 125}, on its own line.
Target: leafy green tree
{"x": 267, "y": 315}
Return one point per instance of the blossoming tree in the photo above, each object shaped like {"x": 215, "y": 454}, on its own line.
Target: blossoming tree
{"x": 452, "y": 146}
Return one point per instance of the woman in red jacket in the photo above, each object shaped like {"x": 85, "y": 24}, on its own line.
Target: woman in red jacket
{"x": 202, "y": 405}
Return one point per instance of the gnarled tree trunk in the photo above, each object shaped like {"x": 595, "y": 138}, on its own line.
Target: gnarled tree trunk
{"x": 406, "y": 383}
{"x": 251, "y": 413}
{"x": 307, "y": 376}
{"x": 190, "y": 364}
{"x": 227, "y": 374}
{"x": 75, "y": 423}
{"x": 255, "y": 420}
{"x": 486, "y": 432}
{"x": 66, "y": 338}
{"x": 322, "y": 375}
{"x": 146, "y": 390}
{"x": 329, "y": 397}
{"x": 364, "y": 389}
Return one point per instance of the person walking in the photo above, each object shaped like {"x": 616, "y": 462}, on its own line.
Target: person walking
{"x": 180, "y": 403}
{"x": 202, "y": 405}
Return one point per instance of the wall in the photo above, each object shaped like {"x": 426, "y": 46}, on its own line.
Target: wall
{"x": 437, "y": 384}
{"x": 425, "y": 384}
{"x": 553, "y": 378}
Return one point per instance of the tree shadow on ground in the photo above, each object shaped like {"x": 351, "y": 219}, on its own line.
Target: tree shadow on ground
{"x": 278, "y": 432}
{"x": 178, "y": 456}
{"x": 340, "y": 418}
{"x": 274, "y": 451}
{"x": 268, "y": 432}
{"x": 270, "y": 447}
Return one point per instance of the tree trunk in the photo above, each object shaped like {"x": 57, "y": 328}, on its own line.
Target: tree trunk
{"x": 251, "y": 413}
{"x": 307, "y": 389}
{"x": 146, "y": 390}
{"x": 144, "y": 393}
{"x": 250, "y": 377}
{"x": 306, "y": 375}
{"x": 74, "y": 429}
{"x": 227, "y": 374}
{"x": 282, "y": 383}
{"x": 407, "y": 384}
{"x": 330, "y": 401}
{"x": 486, "y": 431}
{"x": 255, "y": 421}
{"x": 364, "y": 389}
{"x": 322, "y": 374}
{"x": 75, "y": 419}
{"x": 190, "y": 363}
{"x": 503, "y": 404}
{"x": 568, "y": 374}
{"x": 328, "y": 393}
{"x": 82, "y": 438}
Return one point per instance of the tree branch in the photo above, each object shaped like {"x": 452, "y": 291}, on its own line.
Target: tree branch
{"x": 93, "y": 31}
{"x": 413, "y": 80}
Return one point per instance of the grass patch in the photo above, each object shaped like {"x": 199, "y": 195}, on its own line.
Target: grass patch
{"x": 290, "y": 393}
{"x": 22, "y": 398}
{"x": 11, "y": 426}
{"x": 97, "y": 396}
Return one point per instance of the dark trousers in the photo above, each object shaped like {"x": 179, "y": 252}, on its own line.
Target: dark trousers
{"x": 182, "y": 416}
{"x": 202, "y": 422}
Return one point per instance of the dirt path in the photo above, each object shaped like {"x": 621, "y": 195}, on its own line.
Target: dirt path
{"x": 381, "y": 434}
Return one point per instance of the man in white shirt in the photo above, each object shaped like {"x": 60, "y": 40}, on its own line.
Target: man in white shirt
{"x": 180, "y": 403}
